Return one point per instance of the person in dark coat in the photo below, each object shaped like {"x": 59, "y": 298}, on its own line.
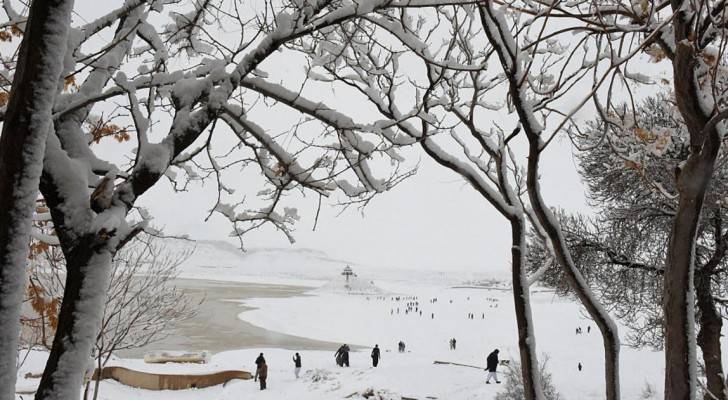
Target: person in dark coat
{"x": 262, "y": 374}
{"x": 339, "y": 356}
{"x": 296, "y": 364}
{"x": 345, "y": 355}
{"x": 261, "y": 370}
{"x": 258, "y": 362}
{"x": 342, "y": 356}
{"x": 492, "y": 365}
{"x": 375, "y": 355}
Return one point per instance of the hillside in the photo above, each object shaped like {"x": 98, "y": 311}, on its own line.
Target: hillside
{"x": 221, "y": 260}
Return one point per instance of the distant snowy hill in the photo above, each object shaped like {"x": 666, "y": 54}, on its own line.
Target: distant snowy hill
{"x": 221, "y": 260}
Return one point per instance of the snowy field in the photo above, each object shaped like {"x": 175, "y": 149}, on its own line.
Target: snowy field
{"x": 368, "y": 320}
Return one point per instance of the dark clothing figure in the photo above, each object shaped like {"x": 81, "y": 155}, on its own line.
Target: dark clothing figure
{"x": 261, "y": 370}
{"x": 454, "y": 343}
{"x": 296, "y": 365}
{"x": 263, "y": 374}
{"x": 345, "y": 356}
{"x": 342, "y": 356}
{"x": 339, "y": 357}
{"x": 492, "y": 365}
{"x": 588, "y": 329}
{"x": 579, "y": 366}
{"x": 375, "y": 355}
{"x": 492, "y": 361}
{"x": 258, "y": 362}
{"x": 400, "y": 346}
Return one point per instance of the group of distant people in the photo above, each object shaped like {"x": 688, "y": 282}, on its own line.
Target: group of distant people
{"x": 579, "y": 366}
{"x": 261, "y": 369}
{"x": 342, "y": 360}
{"x": 342, "y": 353}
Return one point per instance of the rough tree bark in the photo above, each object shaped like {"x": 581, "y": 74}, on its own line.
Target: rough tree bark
{"x": 680, "y": 357}
{"x": 524, "y": 321}
{"x": 711, "y": 324}
{"x": 25, "y": 128}
{"x": 693, "y": 180}
{"x": 84, "y": 262}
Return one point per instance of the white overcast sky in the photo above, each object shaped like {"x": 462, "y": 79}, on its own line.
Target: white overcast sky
{"x": 433, "y": 220}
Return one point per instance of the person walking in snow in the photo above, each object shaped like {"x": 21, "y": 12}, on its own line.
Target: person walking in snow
{"x": 579, "y": 366}
{"x": 261, "y": 371}
{"x": 258, "y": 362}
{"x": 342, "y": 356}
{"x": 345, "y": 355}
{"x": 339, "y": 355}
{"x": 491, "y": 366}
{"x": 375, "y": 355}
{"x": 263, "y": 374}
{"x": 296, "y": 364}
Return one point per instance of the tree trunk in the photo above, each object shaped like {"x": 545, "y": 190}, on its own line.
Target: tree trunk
{"x": 25, "y": 129}
{"x": 604, "y": 322}
{"x": 530, "y": 370}
{"x": 679, "y": 303}
{"x": 711, "y": 324}
{"x": 692, "y": 182}
{"x": 88, "y": 267}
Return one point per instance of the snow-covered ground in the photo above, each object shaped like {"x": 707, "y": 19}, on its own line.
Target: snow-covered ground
{"x": 365, "y": 320}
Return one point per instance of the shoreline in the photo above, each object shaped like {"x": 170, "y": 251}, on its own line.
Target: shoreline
{"x": 216, "y": 326}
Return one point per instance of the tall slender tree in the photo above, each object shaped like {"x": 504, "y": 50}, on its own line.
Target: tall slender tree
{"x": 26, "y": 124}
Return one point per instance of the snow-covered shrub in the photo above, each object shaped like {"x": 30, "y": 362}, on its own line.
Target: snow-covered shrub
{"x": 318, "y": 375}
{"x": 648, "y": 392}
{"x": 513, "y": 387}
{"x": 372, "y": 394}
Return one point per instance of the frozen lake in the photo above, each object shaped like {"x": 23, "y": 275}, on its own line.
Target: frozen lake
{"x": 216, "y": 326}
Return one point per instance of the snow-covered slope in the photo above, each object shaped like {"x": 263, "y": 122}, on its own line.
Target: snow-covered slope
{"x": 221, "y": 260}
